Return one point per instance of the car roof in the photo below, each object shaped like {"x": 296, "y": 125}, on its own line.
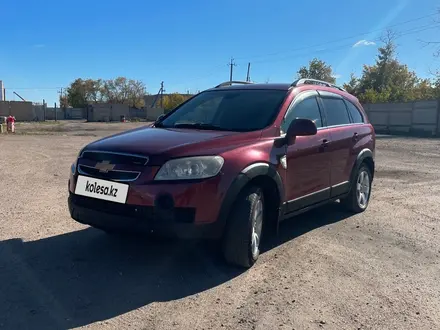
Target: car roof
{"x": 282, "y": 87}
{"x": 285, "y": 87}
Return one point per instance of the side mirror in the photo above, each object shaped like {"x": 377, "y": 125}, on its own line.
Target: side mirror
{"x": 300, "y": 127}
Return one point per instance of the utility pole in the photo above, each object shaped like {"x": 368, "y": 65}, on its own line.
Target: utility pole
{"x": 231, "y": 65}
{"x": 161, "y": 94}
{"x": 61, "y": 95}
{"x": 55, "y": 108}
{"x": 62, "y": 105}
{"x": 248, "y": 78}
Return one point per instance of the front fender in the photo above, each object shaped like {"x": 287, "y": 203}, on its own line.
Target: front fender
{"x": 243, "y": 178}
{"x": 265, "y": 169}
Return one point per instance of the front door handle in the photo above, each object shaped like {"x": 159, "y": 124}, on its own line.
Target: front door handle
{"x": 324, "y": 145}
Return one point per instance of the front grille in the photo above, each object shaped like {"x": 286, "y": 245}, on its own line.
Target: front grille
{"x": 115, "y": 158}
{"x": 126, "y": 210}
{"x": 111, "y": 165}
{"x": 115, "y": 175}
{"x": 180, "y": 214}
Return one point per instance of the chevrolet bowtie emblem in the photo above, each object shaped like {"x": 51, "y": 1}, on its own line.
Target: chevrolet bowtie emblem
{"x": 104, "y": 166}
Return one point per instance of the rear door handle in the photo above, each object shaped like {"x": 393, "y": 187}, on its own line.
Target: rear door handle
{"x": 355, "y": 137}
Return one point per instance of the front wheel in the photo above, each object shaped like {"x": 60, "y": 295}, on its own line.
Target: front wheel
{"x": 360, "y": 191}
{"x": 241, "y": 243}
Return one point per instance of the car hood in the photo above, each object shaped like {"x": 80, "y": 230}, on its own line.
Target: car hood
{"x": 171, "y": 142}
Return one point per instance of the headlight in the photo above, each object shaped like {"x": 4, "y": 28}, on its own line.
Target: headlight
{"x": 188, "y": 168}
{"x": 80, "y": 152}
{"x": 73, "y": 167}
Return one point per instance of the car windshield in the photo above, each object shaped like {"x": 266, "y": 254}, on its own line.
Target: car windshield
{"x": 230, "y": 110}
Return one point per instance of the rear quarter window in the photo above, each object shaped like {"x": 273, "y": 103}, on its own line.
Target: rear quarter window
{"x": 355, "y": 113}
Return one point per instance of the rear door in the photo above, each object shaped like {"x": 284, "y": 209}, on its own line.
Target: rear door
{"x": 344, "y": 135}
{"x": 308, "y": 162}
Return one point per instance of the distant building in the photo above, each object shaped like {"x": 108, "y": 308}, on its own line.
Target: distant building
{"x": 2, "y": 92}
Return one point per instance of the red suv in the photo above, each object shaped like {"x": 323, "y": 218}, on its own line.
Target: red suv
{"x": 228, "y": 161}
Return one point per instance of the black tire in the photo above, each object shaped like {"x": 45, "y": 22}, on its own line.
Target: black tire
{"x": 237, "y": 240}
{"x": 351, "y": 202}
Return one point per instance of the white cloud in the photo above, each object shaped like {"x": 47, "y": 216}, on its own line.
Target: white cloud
{"x": 364, "y": 43}
{"x": 336, "y": 76}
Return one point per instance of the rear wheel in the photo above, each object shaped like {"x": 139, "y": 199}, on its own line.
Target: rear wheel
{"x": 360, "y": 191}
{"x": 241, "y": 242}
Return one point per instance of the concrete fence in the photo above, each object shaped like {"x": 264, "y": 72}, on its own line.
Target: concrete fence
{"x": 146, "y": 113}
{"x": 75, "y": 113}
{"x": 26, "y": 111}
{"x": 411, "y": 118}
{"x": 22, "y": 111}
{"x": 153, "y": 113}
{"x": 42, "y": 113}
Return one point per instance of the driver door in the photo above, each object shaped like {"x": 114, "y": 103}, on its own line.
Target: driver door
{"x": 308, "y": 162}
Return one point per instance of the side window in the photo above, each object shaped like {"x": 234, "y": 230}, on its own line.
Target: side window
{"x": 336, "y": 111}
{"x": 307, "y": 109}
{"x": 354, "y": 112}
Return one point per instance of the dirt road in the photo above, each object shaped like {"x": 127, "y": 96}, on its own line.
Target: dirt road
{"x": 327, "y": 270}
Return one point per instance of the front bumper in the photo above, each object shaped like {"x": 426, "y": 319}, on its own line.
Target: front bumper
{"x": 175, "y": 222}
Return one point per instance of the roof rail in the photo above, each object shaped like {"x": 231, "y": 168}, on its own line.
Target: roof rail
{"x": 229, "y": 83}
{"x": 309, "y": 81}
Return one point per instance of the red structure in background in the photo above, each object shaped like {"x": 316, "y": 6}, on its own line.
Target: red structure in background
{"x": 10, "y": 124}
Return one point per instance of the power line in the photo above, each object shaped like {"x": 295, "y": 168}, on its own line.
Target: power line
{"x": 342, "y": 39}
{"x": 32, "y": 88}
{"x": 400, "y": 34}
{"x": 328, "y": 50}
{"x": 350, "y": 45}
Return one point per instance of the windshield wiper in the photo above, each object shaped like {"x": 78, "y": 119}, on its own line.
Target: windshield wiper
{"x": 200, "y": 126}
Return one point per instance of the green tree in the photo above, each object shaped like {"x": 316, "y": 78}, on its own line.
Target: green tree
{"x": 171, "y": 101}
{"x": 119, "y": 90}
{"x": 124, "y": 91}
{"x": 353, "y": 85}
{"x": 317, "y": 69}
{"x": 64, "y": 103}
{"x": 80, "y": 92}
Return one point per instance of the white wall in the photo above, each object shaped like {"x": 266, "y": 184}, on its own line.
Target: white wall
{"x": 2, "y": 91}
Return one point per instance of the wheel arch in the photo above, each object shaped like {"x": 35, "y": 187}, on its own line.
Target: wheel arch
{"x": 365, "y": 156}
{"x": 259, "y": 174}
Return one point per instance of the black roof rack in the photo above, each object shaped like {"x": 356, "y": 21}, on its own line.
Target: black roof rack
{"x": 309, "y": 81}
{"x": 229, "y": 83}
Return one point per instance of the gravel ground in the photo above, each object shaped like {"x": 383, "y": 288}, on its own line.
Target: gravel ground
{"x": 327, "y": 270}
